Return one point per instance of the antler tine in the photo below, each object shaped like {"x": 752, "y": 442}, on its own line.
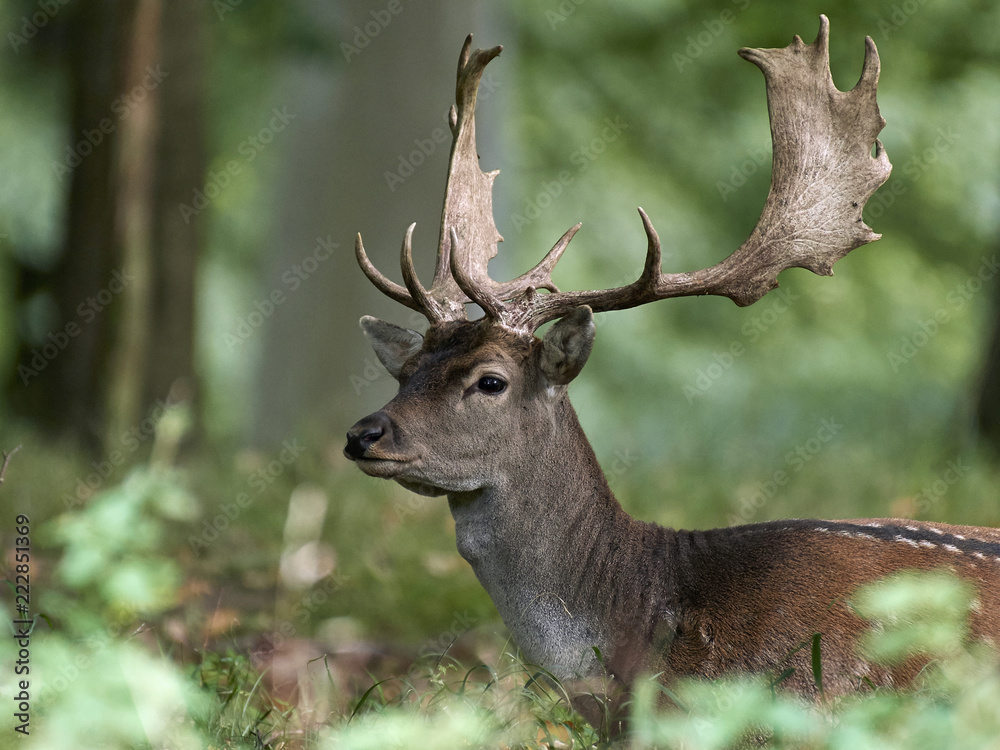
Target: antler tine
{"x": 522, "y": 290}
{"x": 539, "y": 277}
{"x": 442, "y": 266}
{"x": 823, "y": 174}
{"x": 871, "y": 67}
{"x": 530, "y": 311}
{"x": 389, "y": 288}
{"x": 491, "y": 305}
{"x": 428, "y": 305}
{"x": 653, "y": 268}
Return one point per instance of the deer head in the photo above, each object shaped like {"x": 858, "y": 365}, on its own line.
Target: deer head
{"x": 466, "y": 387}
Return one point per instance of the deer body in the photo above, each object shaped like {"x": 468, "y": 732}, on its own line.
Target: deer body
{"x": 570, "y": 571}
{"x": 482, "y": 415}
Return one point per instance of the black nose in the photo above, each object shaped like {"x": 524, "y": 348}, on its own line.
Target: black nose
{"x": 366, "y": 433}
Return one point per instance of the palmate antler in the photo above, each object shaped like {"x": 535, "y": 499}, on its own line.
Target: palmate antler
{"x": 823, "y": 173}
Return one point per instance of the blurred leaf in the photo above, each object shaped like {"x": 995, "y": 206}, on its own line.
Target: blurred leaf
{"x": 914, "y": 612}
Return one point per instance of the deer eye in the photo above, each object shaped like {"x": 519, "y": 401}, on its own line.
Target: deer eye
{"x": 491, "y": 384}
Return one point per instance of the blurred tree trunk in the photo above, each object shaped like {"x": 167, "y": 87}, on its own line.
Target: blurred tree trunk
{"x": 388, "y": 89}
{"x": 163, "y": 162}
{"x": 68, "y": 393}
{"x": 125, "y": 283}
{"x": 139, "y": 131}
{"x": 182, "y": 162}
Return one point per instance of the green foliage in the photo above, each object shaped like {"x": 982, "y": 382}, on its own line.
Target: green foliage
{"x": 716, "y": 714}
{"x": 442, "y": 704}
{"x": 113, "y": 549}
{"x": 99, "y": 690}
{"x": 461, "y": 726}
{"x": 100, "y": 678}
{"x": 92, "y": 680}
{"x": 915, "y": 613}
{"x": 953, "y": 704}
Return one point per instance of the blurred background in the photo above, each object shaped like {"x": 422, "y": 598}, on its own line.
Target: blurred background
{"x": 182, "y": 185}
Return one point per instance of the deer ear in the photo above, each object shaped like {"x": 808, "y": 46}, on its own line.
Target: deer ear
{"x": 567, "y": 345}
{"x": 393, "y": 345}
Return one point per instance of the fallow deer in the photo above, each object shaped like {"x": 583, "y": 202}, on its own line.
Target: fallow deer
{"x": 482, "y": 416}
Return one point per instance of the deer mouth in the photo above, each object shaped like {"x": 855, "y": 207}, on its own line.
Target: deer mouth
{"x": 402, "y": 471}
{"x": 383, "y": 468}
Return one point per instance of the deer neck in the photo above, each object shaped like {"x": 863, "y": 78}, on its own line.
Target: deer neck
{"x": 557, "y": 553}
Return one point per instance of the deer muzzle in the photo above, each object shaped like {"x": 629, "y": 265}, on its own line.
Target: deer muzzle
{"x": 364, "y": 436}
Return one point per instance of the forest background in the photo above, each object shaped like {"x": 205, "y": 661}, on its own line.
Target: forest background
{"x": 181, "y": 187}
